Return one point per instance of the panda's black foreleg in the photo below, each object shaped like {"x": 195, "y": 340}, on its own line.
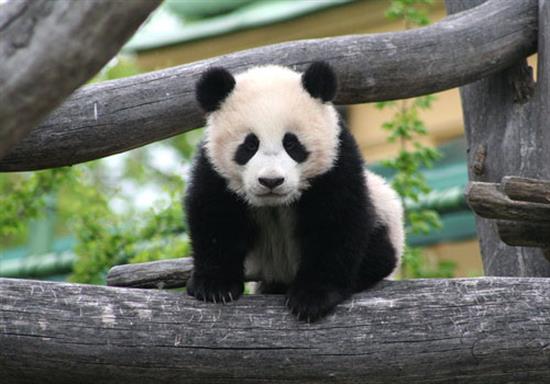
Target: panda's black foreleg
{"x": 332, "y": 240}
{"x": 324, "y": 280}
{"x": 335, "y": 218}
{"x": 379, "y": 261}
{"x": 221, "y": 232}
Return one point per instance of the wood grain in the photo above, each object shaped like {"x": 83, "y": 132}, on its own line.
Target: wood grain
{"x": 112, "y": 117}
{"x": 476, "y": 331}
{"x": 155, "y": 274}
{"x": 526, "y": 189}
{"x": 49, "y": 48}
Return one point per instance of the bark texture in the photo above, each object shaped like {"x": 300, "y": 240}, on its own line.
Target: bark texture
{"x": 155, "y": 274}
{"x": 476, "y": 331}
{"x": 107, "y": 118}
{"x": 49, "y": 48}
{"x": 506, "y": 123}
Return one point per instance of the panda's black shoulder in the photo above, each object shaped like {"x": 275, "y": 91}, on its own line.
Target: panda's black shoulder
{"x": 344, "y": 181}
{"x": 348, "y": 165}
{"x": 349, "y": 157}
{"x": 203, "y": 175}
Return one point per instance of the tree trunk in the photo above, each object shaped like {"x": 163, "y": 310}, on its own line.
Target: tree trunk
{"x": 506, "y": 122}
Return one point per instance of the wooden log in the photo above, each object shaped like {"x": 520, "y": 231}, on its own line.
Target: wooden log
{"x": 155, "y": 274}
{"x": 543, "y": 91}
{"x": 524, "y": 234}
{"x": 488, "y": 201}
{"x": 479, "y": 331}
{"x": 527, "y": 189}
{"x": 506, "y": 126}
{"x": 49, "y": 48}
{"x": 112, "y": 117}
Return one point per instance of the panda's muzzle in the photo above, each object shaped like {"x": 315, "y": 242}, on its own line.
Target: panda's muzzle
{"x": 271, "y": 182}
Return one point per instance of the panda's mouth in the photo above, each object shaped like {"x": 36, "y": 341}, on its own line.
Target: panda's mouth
{"x": 272, "y": 198}
{"x": 271, "y": 194}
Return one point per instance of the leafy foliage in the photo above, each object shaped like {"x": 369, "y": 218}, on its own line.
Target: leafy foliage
{"x": 24, "y": 197}
{"x": 412, "y": 12}
{"x": 106, "y": 238}
{"x": 406, "y": 128}
{"x": 83, "y": 196}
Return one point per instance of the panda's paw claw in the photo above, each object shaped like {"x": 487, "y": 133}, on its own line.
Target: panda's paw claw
{"x": 214, "y": 290}
{"x": 313, "y": 303}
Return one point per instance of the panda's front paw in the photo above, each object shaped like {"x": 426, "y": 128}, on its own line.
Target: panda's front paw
{"x": 215, "y": 290}
{"x": 313, "y": 302}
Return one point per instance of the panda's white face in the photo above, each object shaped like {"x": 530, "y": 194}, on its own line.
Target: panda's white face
{"x": 269, "y": 136}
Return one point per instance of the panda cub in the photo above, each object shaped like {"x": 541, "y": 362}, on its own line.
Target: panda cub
{"x": 279, "y": 194}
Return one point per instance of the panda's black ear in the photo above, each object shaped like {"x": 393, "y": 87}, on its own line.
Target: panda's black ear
{"x": 320, "y": 81}
{"x": 213, "y": 87}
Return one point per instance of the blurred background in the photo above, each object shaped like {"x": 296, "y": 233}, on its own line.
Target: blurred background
{"x": 74, "y": 223}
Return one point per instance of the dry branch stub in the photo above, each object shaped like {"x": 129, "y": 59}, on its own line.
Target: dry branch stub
{"x": 526, "y": 189}
{"x": 526, "y": 218}
{"x": 155, "y": 274}
{"x": 488, "y": 201}
{"x": 486, "y": 330}
{"x": 112, "y": 117}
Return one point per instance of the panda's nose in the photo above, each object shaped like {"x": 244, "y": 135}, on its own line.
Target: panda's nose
{"x": 271, "y": 182}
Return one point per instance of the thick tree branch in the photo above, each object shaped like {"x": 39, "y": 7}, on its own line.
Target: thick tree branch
{"x": 49, "y": 48}
{"x": 116, "y": 116}
{"x": 477, "y": 331}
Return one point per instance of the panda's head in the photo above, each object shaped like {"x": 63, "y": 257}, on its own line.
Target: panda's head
{"x": 270, "y": 130}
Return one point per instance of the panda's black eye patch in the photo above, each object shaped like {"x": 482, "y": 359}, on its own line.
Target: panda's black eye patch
{"x": 295, "y": 148}
{"x": 247, "y": 149}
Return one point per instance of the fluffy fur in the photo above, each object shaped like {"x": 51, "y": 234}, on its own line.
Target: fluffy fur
{"x": 279, "y": 193}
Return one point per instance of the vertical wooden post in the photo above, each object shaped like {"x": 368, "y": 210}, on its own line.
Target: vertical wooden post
{"x": 506, "y": 118}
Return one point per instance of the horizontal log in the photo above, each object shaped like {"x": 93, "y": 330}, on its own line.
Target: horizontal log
{"x": 488, "y": 201}
{"x": 479, "y": 331}
{"x": 49, "y": 48}
{"x": 522, "y": 188}
{"x": 524, "y": 234}
{"x": 155, "y": 274}
{"x": 112, "y": 117}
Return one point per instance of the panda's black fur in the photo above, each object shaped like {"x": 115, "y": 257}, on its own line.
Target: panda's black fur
{"x": 343, "y": 248}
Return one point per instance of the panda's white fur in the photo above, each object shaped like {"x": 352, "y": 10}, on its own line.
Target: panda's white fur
{"x": 389, "y": 211}
{"x": 270, "y": 101}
